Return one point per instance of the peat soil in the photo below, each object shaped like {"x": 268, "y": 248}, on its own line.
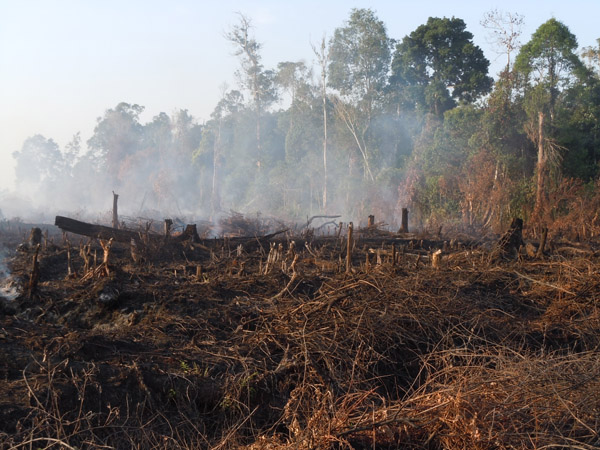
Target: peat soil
{"x": 267, "y": 344}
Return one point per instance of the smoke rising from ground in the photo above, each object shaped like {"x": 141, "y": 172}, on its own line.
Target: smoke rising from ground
{"x": 376, "y": 125}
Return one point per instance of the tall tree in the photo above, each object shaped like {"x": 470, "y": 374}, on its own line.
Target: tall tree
{"x": 548, "y": 65}
{"x": 322, "y": 54}
{"x": 439, "y": 64}
{"x": 117, "y": 137}
{"x": 293, "y": 78}
{"x": 216, "y": 139}
{"x": 592, "y": 57}
{"x": 505, "y": 29}
{"x": 254, "y": 78}
{"x": 39, "y": 163}
{"x": 358, "y": 69}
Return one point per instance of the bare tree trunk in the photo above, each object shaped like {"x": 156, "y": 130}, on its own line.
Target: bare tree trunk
{"x": 115, "y": 215}
{"x": 324, "y": 149}
{"x": 215, "y": 197}
{"x": 323, "y": 58}
{"x": 541, "y": 166}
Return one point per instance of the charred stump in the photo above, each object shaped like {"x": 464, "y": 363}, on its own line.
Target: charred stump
{"x": 404, "y": 223}
{"x": 168, "y": 224}
{"x": 35, "y": 237}
{"x": 510, "y": 243}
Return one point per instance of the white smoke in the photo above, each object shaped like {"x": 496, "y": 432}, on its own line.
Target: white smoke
{"x": 8, "y": 288}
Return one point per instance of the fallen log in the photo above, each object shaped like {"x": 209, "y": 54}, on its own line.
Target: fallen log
{"x": 119, "y": 235}
{"x": 94, "y": 231}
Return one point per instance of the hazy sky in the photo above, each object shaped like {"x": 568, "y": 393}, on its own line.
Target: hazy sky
{"x": 64, "y": 62}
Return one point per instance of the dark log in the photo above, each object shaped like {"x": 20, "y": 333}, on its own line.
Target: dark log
{"x": 93, "y": 230}
{"x": 119, "y": 235}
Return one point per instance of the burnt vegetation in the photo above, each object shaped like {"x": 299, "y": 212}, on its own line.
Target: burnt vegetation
{"x": 475, "y": 324}
{"x": 436, "y": 340}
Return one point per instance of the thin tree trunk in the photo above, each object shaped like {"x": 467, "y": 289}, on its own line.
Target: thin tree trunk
{"x": 541, "y": 166}
{"x": 115, "y": 214}
{"x": 215, "y": 197}
{"x": 324, "y": 147}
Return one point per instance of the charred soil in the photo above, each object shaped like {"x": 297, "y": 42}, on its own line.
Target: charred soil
{"x": 264, "y": 344}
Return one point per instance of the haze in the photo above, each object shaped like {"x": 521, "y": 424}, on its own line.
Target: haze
{"x": 64, "y": 63}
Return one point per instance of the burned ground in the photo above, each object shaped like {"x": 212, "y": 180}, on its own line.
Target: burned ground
{"x": 213, "y": 345}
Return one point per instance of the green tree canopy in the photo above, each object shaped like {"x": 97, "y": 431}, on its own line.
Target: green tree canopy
{"x": 360, "y": 57}
{"x": 438, "y": 63}
{"x": 548, "y": 62}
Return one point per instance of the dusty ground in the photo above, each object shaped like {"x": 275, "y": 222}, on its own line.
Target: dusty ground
{"x": 480, "y": 352}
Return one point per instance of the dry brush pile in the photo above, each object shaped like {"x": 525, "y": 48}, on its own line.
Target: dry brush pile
{"x": 280, "y": 347}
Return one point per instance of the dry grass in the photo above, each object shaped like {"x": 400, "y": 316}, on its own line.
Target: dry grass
{"x": 477, "y": 353}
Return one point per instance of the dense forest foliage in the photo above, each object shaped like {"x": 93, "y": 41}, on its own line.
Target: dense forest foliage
{"x": 374, "y": 125}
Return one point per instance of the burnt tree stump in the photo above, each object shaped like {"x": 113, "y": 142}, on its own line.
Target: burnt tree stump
{"x": 404, "y": 223}
{"x": 510, "y": 243}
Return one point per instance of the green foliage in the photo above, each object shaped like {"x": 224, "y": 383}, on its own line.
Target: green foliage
{"x": 548, "y": 63}
{"x": 438, "y": 64}
{"x": 360, "y": 56}
{"x": 578, "y": 130}
{"x": 402, "y": 130}
{"x": 38, "y": 160}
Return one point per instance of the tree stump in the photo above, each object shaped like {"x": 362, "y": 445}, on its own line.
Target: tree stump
{"x": 404, "y": 223}
{"x": 371, "y": 222}
{"x": 35, "y": 237}
{"x": 168, "y": 224}
{"x": 510, "y": 243}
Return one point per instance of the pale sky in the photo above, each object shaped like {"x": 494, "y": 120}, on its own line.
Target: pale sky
{"x": 64, "y": 62}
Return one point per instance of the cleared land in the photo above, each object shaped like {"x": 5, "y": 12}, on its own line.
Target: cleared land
{"x": 247, "y": 343}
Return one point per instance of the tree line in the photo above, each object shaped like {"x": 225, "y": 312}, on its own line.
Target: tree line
{"x": 374, "y": 125}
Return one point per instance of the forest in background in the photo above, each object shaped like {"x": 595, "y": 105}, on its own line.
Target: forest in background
{"x": 373, "y": 126}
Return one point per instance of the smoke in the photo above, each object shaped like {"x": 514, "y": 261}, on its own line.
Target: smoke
{"x": 8, "y": 288}
{"x": 174, "y": 167}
